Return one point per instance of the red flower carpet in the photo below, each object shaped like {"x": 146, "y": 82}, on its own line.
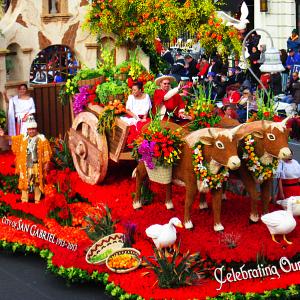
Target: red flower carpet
{"x": 253, "y": 240}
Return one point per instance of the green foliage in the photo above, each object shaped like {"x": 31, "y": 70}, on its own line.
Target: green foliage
{"x": 201, "y": 108}
{"x": 149, "y": 88}
{"x": 106, "y": 64}
{"x": 176, "y": 271}
{"x": 71, "y": 87}
{"x": 100, "y": 227}
{"x": 111, "y": 88}
{"x": 135, "y": 22}
{"x": 61, "y": 155}
{"x": 2, "y": 119}
{"x": 9, "y": 184}
{"x": 4, "y": 209}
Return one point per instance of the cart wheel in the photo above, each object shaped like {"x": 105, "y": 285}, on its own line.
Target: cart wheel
{"x": 88, "y": 148}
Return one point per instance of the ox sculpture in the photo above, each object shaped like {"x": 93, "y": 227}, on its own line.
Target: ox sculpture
{"x": 271, "y": 142}
{"x": 219, "y": 149}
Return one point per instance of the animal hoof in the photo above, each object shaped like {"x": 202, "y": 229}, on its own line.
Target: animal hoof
{"x": 218, "y": 227}
{"x": 224, "y": 197}
{"x": 169, "y": 205}
{"x": 203, "y": 205}
{"x": 137, "y": 205}
{"x": 253, "y": 219}
{"x": 188, "y": 225}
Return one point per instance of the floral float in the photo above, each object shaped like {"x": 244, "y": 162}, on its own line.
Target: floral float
{"x": 64, "y": 247}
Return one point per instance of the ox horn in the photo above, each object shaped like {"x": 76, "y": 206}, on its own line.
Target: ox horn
{"x": 212, "y": 133}
{"x": 235, "y": 129}
{"x": 283, "y": 122}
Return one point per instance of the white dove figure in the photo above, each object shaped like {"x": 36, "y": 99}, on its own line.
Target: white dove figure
{"x": 238, "y": 24}
{"x": 281, "y": 221}
{"x": 164, "y": 236}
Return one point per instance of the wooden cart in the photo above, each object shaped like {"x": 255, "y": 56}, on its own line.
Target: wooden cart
{"x": 90, "y": 150}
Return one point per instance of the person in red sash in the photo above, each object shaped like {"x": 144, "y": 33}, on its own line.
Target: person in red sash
{"x": 288, "y": 174}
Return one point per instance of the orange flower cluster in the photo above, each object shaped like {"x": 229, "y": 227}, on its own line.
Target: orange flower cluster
{"x": 215, "y": 36}
{"x": 117, "y": 106}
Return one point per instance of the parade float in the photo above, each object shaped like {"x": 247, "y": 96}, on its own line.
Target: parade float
{"x": 87, "y": 229}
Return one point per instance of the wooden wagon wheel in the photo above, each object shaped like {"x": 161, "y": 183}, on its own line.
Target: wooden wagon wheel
{"x": 88, "y": 148}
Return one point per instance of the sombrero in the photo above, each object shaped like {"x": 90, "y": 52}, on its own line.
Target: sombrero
{"x": 164, "y": 77}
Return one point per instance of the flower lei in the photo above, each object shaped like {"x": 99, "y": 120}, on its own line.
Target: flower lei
{"x": 260, "y": 171}
{"x": 211, "y": 181}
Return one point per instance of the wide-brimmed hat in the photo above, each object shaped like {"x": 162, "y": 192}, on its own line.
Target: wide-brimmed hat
{"x": 164, "y": 77}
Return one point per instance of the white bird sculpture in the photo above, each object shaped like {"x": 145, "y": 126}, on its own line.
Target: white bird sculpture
{"x": 295, "y": 207}
{"x": 238, "y": 24}
{"x": 164, "y": 236}
{"x": 281, "y": 221}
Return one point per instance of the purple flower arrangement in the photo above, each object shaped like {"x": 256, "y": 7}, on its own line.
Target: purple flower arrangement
{"x": 146, "y": 150}
{"x": 80, "y": 100}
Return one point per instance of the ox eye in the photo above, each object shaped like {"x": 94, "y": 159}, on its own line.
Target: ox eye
{"x": 271, "y": 136}
{"x": 220, "y": 145}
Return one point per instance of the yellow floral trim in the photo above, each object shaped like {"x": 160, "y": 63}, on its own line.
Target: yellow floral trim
{"x": 211, "y": 181}
{"x": 260, "y": 171}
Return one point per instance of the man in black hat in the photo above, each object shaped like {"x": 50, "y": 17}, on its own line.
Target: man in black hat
{"x": 293, "y": 41}
{"x": 191, "y": 66}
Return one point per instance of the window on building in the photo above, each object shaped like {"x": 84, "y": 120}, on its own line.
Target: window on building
{"x": 53, "y": 64}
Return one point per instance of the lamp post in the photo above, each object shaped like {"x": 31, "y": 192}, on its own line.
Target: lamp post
{"x": 272, "y": 63}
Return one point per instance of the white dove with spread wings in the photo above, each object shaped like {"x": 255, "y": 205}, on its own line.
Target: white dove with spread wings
{"x": 238, "y": 24}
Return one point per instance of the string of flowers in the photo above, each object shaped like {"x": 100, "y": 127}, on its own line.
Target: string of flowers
{"x": 260, "y": 171}
{"x": 211, "y": 181}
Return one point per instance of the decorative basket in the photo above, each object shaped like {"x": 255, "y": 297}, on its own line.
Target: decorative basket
{"x": 160, "y": 174}
{"x": 132, "y": 251}
{"x": 112, "y": 242}
{"x": 92, "y": 81}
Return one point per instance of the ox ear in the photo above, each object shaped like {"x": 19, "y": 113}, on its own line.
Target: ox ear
{"x": 206, "y": 140}
{"x": 258, "y": 134}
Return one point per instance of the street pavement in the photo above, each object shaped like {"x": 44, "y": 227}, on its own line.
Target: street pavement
{"x": 25, "y": 277}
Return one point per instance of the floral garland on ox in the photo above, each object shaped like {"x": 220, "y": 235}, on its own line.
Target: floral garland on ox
{"x": 210, "y": 181}
{"x": 260, "y": 171}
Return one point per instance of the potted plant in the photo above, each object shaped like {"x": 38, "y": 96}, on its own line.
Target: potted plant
{"x": 158, "y": 147}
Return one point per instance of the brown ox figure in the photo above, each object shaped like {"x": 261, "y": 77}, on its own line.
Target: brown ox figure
{"x": 271, "y": 141}
{"x": 219, "y": 149}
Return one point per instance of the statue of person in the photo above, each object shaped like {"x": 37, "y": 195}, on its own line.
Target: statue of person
{"x": 33, "y": 154}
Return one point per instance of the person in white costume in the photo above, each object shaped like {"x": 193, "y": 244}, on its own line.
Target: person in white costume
{"x": 137, "y": 105}
{"x": 20, "y": 107}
